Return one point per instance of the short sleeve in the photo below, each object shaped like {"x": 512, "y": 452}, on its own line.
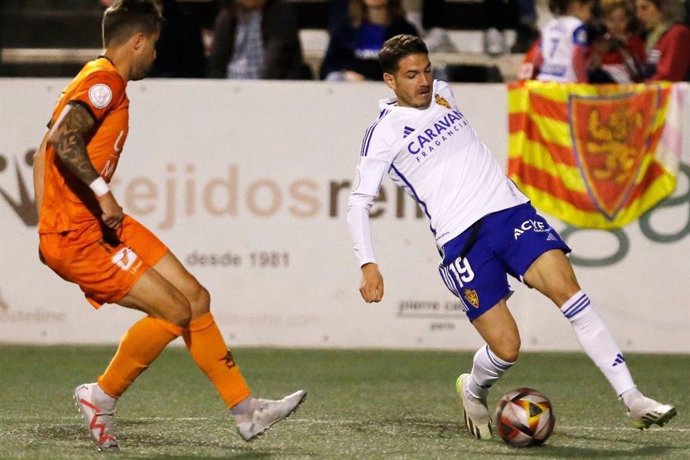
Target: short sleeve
{"x": 580, "y": 36}
{"x": 99, "y": 92}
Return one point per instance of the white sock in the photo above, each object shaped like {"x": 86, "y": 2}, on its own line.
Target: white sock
{"x": 487, "y": 368}
{"x": 596, "y": 340}
{"x": 631, "y": 397}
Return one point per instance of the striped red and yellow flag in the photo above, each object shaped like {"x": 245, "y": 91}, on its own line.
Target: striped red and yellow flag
{"x": 591, "y": 155}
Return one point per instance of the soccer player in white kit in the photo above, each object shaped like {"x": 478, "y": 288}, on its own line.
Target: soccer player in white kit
{"x": 564, "y": 54}
{"x": 484, "y": 227}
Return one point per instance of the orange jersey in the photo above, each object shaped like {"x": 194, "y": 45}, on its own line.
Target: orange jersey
{"x": 68, "y": 203}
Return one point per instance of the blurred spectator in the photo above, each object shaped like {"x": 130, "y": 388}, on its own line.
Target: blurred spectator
{"x": 352, "y": 53}
{"x": 520, "y": 15}
{"x": 257, "y": 39}
{"x": 529, "y": 67}
{"x": 180, "y": 49}
{"x": 500, "y": 15}
{"x": 337, "y": 10}
{"x": 527, "y": 31}
{"x": 617, "y": 54}
{"x": 432, "y": 22}
{"x": 667, "y": 42}
{"x": 563, "y": 53}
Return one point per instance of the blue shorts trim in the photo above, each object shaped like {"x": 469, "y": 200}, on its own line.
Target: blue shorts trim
{"x": 476, "y": 263}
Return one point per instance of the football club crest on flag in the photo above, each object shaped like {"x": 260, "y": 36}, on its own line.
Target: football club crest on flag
{"x": 611, "y": 139}
{"x": 595, "y": 156}
{"x": 471, "y": 296}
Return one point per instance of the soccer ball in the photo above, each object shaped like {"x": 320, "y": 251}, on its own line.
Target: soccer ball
{"x": 524, "y": 418}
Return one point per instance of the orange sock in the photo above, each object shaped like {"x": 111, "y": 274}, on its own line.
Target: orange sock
{"x": 208, "y": 349}
{"x": 140, "y": 345}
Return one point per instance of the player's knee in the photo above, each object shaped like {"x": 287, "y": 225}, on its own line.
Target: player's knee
{"x": 200, "y": 301}
{"x": 566, "y": 292}
{"x": 181, "y": 312}
{"x": 508, "y": 350}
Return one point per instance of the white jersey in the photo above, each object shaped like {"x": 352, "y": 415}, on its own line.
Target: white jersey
{"x": 559, "y": 38}
{"x": 437, "y": 157}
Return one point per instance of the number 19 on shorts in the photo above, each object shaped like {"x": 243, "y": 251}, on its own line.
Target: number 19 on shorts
{"x": 456, "y": 274}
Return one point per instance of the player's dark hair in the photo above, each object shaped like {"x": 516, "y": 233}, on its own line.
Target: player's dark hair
{"x": 560, "y": 7}
{"x": 125, "y": 18}
{"x": 398, "y": 47}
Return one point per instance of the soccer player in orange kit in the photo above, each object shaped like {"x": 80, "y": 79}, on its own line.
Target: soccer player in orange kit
{"x": 87, "y": 239}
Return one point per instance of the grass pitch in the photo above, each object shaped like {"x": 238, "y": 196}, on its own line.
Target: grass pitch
{"x": 361, "y": 404}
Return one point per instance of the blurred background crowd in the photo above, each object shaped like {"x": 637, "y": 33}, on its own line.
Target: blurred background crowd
{"x": 597, "y": 41}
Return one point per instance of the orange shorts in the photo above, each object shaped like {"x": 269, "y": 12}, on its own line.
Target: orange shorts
{"x": 104, "y": 268}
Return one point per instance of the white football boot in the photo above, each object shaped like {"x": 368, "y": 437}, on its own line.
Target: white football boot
{"x": 100, "y": 421}
{"x": 477, "y": 417}
{"x": 645, "y": 412}
{"x": 269, "y": 412}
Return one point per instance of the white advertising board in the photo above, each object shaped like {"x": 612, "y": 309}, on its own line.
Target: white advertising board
{"x": 248, "y": 182}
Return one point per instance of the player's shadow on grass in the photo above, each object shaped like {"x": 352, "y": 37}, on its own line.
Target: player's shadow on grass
{"x": 646, "y": 449}
{"x": 427, "y": 428}
{"x": 134, "y": 442}
{"x": 416, "y": 427}
{"x": 549, "y": 451}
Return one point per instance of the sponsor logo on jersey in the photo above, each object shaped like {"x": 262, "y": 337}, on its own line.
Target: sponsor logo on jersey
{"x": 434, "y": 136}
{"x": 471, "y": 296}
{"x": 407, "y": 131}
{"x": 530, "y": 225}
{"x": 440, "y": 100}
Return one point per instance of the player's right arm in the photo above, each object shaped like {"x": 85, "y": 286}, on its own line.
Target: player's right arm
{"x": 370, "y": 173}
{"x": 69, "y": 136}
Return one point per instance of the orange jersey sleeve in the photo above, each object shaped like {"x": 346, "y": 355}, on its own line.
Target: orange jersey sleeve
{"x": 67, "y": 202}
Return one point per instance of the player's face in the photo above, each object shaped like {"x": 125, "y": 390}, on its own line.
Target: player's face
{"x": 144, "y": 55}
{"x": 412, "y": 82}
{"x": 648, "y": 14}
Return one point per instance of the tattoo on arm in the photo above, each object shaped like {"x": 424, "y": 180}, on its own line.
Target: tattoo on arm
{"x": 70, "y": 136}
